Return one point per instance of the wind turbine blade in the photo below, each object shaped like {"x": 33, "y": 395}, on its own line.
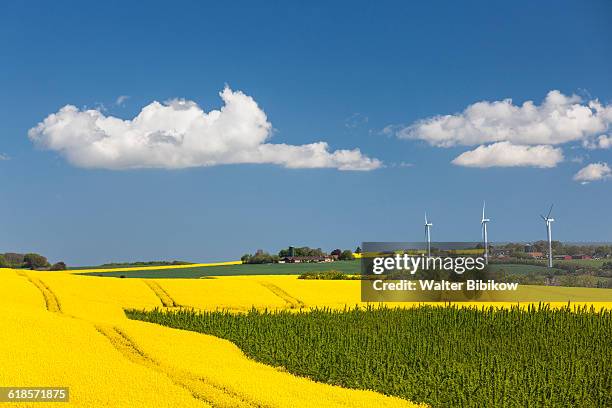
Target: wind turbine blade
{"x": 542, "y": 217}
{"x": 549, "y": 211}
{"x": 483, "y": 209}
{"x": 425, "y": 218}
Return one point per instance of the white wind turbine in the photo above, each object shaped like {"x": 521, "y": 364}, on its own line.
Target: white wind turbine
{"x": 485, "y": 237}
{"x": 428, "y": 226}
{"x": 549, "y": 222}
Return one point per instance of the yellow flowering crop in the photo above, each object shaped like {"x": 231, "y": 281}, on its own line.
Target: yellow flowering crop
{"x": 43, "y": 348}
{"x": 239, "y": 293}
{"x": 66, "y": 330}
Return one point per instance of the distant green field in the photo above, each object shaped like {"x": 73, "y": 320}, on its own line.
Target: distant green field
{"x": 595, "y": 263}
{"x": 350, "y": 267}
{"x": 124, "y": 265}
{"x": 516, "y": 269}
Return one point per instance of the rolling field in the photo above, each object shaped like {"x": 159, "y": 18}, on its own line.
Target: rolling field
{"x": 68, "y": 330}
{"x": 195, "y": 271}
{"x": 64, "y": 329}
{"x": 522, "y": 269}
{"x": 237, "y": 269}
{"x": 594, "y": 263}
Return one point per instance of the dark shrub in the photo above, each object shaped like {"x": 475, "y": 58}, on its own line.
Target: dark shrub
{"x": 35, "y": 261}
{"x": 59, "y": 266}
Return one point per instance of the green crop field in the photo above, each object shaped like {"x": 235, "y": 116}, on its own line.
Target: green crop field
{"x": 446, "y": 357}
{"x": 350, "y": 267}
{"x": 593, "y": 263}
{"x": 518, "y": 269}
{"x": 125, "y": 265}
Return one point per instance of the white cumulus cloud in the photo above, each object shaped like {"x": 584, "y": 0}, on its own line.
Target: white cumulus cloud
{"x": 593, "y": 172}
{"x": 601, "y": 142}
{"x": 506, "y": 154}
{"x": 179, "y": 134}
{"x": 558, "y": 119}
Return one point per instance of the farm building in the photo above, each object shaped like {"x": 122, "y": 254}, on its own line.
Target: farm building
{"x": 303, "y": 259}
{"x": 581, "y": 257}
{"x": 500, "y": 253}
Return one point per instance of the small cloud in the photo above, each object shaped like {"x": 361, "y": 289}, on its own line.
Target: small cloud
{"x": 120, "y": 101}
{"x": 389, "y": 130}
{"x": 593, "y": 172}
{"x": 601, "y": 142}
{"x": 505, "y": 154}
{"x": 577, "y": 159}
{"x": 402, "y": 164}
{"x": 4, "y": 156}
{"x": 99, "y": 106}
{"x": 355, "y": 120}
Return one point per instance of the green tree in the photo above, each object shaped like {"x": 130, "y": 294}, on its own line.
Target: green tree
{"x": 260, "y": 257}
{"x": 302, "y": 251}
{"x": 346, "y": 255}
{"x": 59, "y": 266}
{"x": 14, "y": 260}
{"x": 35, "y": 261}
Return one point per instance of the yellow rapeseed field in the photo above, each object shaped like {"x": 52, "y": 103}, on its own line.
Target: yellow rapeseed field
{"x": 241, "y": 293}
{"x": 65, "y": 330}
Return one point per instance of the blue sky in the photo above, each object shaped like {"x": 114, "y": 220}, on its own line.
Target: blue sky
{"x": 338, "y": 73}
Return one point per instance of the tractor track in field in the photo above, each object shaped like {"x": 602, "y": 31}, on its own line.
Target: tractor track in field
{"x": 291, "y": 301}
{"x": 163, "y": 296}
{"x": 199, "y": 387}
{"x": 51, "y": 301}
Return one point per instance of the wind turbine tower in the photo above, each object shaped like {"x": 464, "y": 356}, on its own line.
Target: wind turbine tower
{"x": 485, "y": 237}
{"x": 549, "y": 222}
{"x": 428, "y": 226}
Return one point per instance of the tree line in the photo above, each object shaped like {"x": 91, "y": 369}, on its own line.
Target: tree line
{"x": 29, "y": 261}
{"x": 263, "y": 257}
{"x": 558, "y": 248}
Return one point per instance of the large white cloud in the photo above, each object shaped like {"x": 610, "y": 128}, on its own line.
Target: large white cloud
{"x": 505, "y": 154}
{"x": 594, "y": 172}
{"x": 558, "y": 119}
{"x": 179, "y": 134}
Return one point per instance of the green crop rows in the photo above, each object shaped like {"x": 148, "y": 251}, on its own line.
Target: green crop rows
{"x": 444, "y": 356}
{"x": 349, "y": 267}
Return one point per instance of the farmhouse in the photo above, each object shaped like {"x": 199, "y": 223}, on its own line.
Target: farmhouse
{"x": 303, "y": 259}
{"x": 500, "y": 252}
{"x": 581, "y": 256}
